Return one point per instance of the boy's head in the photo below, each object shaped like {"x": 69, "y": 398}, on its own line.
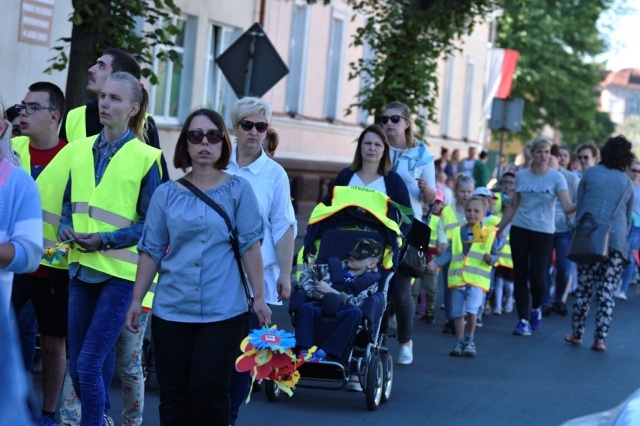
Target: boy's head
{"x": 365, "y": 255}
{"x": 475, "y": 209}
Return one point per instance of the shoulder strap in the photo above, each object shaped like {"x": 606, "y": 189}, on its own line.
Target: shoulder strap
{"x": 233, "y": 233}
{"x": 615, "y": 212}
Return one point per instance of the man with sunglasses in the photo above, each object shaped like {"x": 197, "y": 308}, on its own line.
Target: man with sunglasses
{"x": 48, "y": 287}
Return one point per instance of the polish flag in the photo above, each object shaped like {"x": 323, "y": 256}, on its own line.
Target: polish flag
{"x": 501, "y": 69}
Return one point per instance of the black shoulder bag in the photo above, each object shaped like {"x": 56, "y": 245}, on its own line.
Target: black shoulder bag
{"x": 233, "y": 234}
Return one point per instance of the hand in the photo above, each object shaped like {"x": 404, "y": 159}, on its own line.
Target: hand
{"x": 66, "y": 234}
{"x": 89, "y": 242}
{"x": 5, "y": 129}
{"x": 263, "y": 312}
{"x": 431, "y": 266}
{"x": 132, "y": 319}
{"x": 487, "y": 258}
{"x": 422, "y": 185}
{"x": 323, "y": 287}
{"x": 284, "y": 287}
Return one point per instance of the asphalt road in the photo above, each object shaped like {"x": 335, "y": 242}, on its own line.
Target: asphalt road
{"x": 536, "y": 380}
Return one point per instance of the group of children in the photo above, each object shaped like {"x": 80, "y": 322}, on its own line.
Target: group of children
{"x": 465, "y": 253}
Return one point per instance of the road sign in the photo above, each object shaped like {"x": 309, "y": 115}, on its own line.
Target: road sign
{"x": 511, "y": 119}
{"x": 252, "y": 64}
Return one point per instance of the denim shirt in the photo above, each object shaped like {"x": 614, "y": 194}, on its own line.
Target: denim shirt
{"x": 103, "y": 152}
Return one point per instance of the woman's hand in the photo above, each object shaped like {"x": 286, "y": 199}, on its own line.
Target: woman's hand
{"x": 431, "y": 266}
{"x": 89, "y": 242}
{"x": 132, "y": 319}
{"x": 261, "y": 309}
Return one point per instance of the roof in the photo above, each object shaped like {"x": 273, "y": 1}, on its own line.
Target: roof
{"x": 629, "y": 77}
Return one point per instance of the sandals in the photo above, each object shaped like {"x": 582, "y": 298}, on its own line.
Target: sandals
{"x": 599, "y": 346}
{"x": 570, "y": 338}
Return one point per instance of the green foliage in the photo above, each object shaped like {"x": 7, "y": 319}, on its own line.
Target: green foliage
{"x": 117, "y": 24}
{"x": 408, "y": 38}
{"x": 556, "y": 74}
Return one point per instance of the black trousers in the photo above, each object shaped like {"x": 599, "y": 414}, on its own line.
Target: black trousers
{"x": 194, "y": 362}
{"x": 530, "y": 251}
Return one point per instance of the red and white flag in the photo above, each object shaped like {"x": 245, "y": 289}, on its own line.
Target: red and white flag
{"x": 501, "y": 70}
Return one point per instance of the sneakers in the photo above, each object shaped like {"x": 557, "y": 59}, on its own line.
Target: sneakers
{"x": 46, "y": 421}
{"x": 479, "y": 322}
{"x": 535, "y": 319}
{"x": 406, "y": 354}
{"x": 497, "y": 312}
{"x": 108, "y": 420}
{"x": 522, "y": 329}
{"x": 457, "y": 350}
{"x": 508, "y": 307}
{"x": 430, "y": 315}
{"x": 546, "y": 311}
{"x": 318, "y": 355}
{"x": 469, "y": 349}
{"x": 449, "y": 328}
{"x": 354, "y": 384}
{"x": 620, "y": 295}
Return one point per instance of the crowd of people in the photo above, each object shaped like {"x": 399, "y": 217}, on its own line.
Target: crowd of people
{"x": 202, "y": 258}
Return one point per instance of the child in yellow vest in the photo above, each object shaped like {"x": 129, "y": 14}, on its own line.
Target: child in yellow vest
{"x": 470, "y": 264}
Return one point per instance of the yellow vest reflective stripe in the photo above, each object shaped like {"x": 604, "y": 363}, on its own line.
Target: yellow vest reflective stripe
{"x": 470, "y": 269}
{"x": 433, "y": 238}
{"x": 504, "y": 255}
{"x": 76, "y": 124}
{"x": 110, "y": 205}
{"x": 450, "y": 220}
{"x": 52, "y": 183}
{"x": 373, "y": 201}
{"x": 498, "y": 207}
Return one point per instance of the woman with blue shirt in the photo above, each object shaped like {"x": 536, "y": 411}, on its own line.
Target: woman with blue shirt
{"x": 200, "y": 306}
{"x": 532, "y": 210}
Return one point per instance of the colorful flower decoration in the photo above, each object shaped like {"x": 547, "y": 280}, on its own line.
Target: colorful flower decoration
{"x": 56, "y": 252}
{"x": 268, "y": 354}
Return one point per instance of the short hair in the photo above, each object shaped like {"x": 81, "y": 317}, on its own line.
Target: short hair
{"x": 245, "y": 107}
{"x": 384, "y": 167}
{"x": 463, "y": 179}
{"x": 591, "y": 146}
{"x": 555, "y": 150}
{"x": 483, "y": 154}
{"x": 484, "y": 201}
{"x": 122, "y": 61}
{"x": 56, "y": 97}
{"x": 11, "y": 113}
{"x": 181, "y": 157}
{"x": 443, "y": 150}
{"x": 538, "y": 142}
{"x": 617, "y": 153}
{"x": 406, "y": 113}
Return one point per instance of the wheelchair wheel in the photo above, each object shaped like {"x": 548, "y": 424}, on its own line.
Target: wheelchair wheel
{"x": 375, "y": 376}
{"x": 271, "y": 390}
{"x": 387, "y": 367}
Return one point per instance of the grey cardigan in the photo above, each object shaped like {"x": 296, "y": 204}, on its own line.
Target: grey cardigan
{"x": 599, "y": 192}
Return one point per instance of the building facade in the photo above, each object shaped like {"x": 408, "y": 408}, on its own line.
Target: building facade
{"x": 620, "y": 96}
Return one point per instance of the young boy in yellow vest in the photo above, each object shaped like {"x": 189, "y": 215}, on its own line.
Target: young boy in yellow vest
{"x": 427, "y": 286}
{"x": 469, "y": 274}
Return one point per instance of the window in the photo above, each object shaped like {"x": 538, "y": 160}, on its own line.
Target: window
{"x": 468, "y": 101}
{"x": 634, "y": 105}
{"x": 171, "y": 97}
{"x": 298, "y": 58}
{"x": 217, "y": 92}
{"x": 446, "y": 100}
{"x": 365, "y": 81}
{"x": 333, "y": 88}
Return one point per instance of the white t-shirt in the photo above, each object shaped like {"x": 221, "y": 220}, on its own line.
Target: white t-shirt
{"x": 377, "y": 184}
{"x": 412, "y": 164}
{"x": 467, "y": 167}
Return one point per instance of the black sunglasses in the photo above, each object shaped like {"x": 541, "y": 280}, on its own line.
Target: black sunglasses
{"x": 394, "y": 119}
{"x": 213, "y": 136}
{"x": 248, "y": 125}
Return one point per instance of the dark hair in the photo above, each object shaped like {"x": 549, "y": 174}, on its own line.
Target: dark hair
{"x": 508, "y": 172}
{"x": 56, "y": 97}
{"x": 406, "y": 113}
{"x": 122, "y": 61}
{"x": 385, "y": 162}
{"x": 595, "y": 152}
{"x": 555, "y": 150}
{"x": 443, "y": 151}
{"x": 272, "y": 140}
{"x": 483, "y": 155}
{"x": 181, "y": 157}
{"x": 616, "y": 153}
{"x": 11, "y": 113}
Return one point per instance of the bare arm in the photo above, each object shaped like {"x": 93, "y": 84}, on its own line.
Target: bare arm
{"x": 565, "y": 200}
{"x": 510, "y": 212}
{"x": 147, "y": 269}
{"x": 252, "y": 260}
{"x": 284, "y": 254}
{"x": 7, "y": 253}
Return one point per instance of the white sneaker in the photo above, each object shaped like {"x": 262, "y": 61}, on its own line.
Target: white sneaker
{"x": 508, "y": 308}
{"x": 354, "y": 384}
{"x": 620, "y": 295}
{"x": 406, "y": 354}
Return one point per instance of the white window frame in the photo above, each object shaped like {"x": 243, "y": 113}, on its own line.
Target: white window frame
{"x": 468, "y": 100}
{"x": 365, "y": 82}
{"x": 335, "y": 64}
{"x": 298, "y": 54}
{"x": 445, "y": 120}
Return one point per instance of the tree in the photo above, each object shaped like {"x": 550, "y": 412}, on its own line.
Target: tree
{"x": 408, "y": 38}
{"x": 556, "y": 74}
{"x": 100, "y": 24}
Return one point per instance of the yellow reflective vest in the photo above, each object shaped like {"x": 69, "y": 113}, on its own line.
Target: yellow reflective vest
{"x": 470, "y": 269}
{"x": 450, "y": 220}
{"x": 492, "y": 220}
{"x": 75, "y": 126}
{"x": 433, "y": 238}
{"x": 52, "y": 183}
{"x": 504, "y": 255}
{"x": 498, "y": 208}
{"x": 112, "y": 204}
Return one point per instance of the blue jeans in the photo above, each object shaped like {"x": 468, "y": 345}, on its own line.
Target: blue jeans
{"x": 96, "y": 318}
{"x": 561, "y": 242}
{"x": 630, "y": 268}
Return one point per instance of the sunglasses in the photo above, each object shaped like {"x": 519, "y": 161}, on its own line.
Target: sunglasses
{"x": 394, "y": 119}
{"x": 213, "y": 136}
{"x": 635, "y": 171}
{"x": 247, "y": 125}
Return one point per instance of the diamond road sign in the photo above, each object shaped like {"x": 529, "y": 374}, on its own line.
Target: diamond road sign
{"x": 251, "y": 64}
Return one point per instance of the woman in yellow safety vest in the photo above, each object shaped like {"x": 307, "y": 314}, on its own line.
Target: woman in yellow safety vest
{"x": 111, "y": 182}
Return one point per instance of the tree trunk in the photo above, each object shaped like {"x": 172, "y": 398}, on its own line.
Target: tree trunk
{"x": 81, "y": 58}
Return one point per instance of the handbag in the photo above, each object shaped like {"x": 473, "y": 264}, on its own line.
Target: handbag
{"x": 233, "y": 235}
{"x": 590, "y": 240}
{"x": 415, "y": 259}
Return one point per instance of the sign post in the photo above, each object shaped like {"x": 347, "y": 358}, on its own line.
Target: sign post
{"x": 506, "y": 114}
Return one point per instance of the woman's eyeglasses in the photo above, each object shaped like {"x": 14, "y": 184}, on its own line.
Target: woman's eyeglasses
{"x": 247, "y": 125}
{"x": 635, "y": 171}
{"x": 213, "y": 136}
{"x": 394, "y": 119}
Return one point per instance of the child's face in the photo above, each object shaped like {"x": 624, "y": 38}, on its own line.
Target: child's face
{"x": 359, "y": 265}
{"x": 475, "y": 211}
{"x": 437, "y": 207}
{"x": 464, "y": 192}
